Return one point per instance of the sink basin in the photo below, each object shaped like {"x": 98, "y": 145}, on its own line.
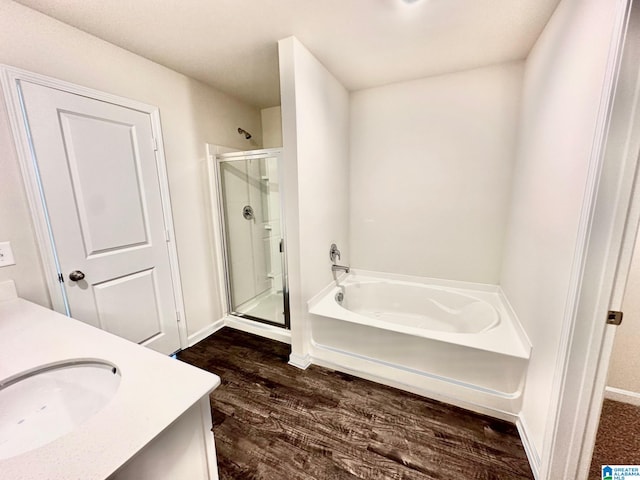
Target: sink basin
{"x": 43, "y": 405}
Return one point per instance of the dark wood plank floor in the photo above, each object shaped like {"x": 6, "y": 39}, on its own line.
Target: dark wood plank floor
{"x": 273, "y": 421}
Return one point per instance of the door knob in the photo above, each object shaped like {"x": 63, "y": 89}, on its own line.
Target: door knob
{"x": 247, "y": 212}
{"x": 76, "y": 276}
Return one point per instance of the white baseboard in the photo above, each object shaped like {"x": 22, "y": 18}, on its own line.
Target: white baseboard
{"x": 620, "y": 395}
{"x": 529, "y": 447}
{"x": 262, "y": 329}
{"x": 300, "y": 361}
{"x": 204, "y": 332}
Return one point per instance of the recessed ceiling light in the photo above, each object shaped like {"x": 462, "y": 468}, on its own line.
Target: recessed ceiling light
{"x": 410, "y": 1}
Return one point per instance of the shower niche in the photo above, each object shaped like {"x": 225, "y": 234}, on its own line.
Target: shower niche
{"x": 249, "y": 204}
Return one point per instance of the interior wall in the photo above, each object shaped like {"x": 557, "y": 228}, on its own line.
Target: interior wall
{"x": 563, "y": 84}
{"x": 431, "y": 169}
{"x": 271, "y": 127}
{"x": 315, "y": 112}
{"x": 192, "y": 114}
{"x": 625, "y": 357}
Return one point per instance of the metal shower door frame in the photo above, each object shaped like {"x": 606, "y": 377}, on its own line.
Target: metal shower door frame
{"x": 251, "y": 155}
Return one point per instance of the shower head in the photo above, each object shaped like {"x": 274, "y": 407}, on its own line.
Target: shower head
{"x": 246, "y": 134}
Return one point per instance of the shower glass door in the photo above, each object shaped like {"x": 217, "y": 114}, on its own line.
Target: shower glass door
{"x": 249, "y": 192}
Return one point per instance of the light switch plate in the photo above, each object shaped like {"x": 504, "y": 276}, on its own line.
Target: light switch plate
{"x": 6, "y": 255}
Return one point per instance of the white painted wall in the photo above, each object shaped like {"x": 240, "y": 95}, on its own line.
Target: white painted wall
{"x": 192, "y": 114}
{"x": 315, "y": 121}
{"x": 431, "y": 168}
{"x": 271, "y": 127}
{"x": 624, "y": 366}
{"x": 564, "y": 77}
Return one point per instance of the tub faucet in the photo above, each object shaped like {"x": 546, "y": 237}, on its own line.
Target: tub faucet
{"x": 333, "y": 254}
{"x": 338, "y": 268}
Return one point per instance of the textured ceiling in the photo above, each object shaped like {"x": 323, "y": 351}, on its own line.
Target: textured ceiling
{"x": 232, "y": 44}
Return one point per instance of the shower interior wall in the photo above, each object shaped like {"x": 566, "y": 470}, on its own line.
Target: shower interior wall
{"x": 476, "y": 175}
{"x": 249, "y": 241}
{"x": 271, "y": 127}
{"x": 253, "y": 249}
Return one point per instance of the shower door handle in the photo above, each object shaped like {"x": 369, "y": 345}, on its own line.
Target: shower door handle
{"x": 247, "y": 212}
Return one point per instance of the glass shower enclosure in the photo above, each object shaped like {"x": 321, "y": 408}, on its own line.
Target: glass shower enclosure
{"x": 249, "y": 200}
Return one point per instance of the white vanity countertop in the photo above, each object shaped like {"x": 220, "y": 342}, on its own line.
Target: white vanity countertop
{"x": 154, "y": 391}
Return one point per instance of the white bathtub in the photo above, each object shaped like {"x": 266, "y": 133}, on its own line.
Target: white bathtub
{"x": 449, "y": 340}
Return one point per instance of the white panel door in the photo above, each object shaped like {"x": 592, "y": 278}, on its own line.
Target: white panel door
{"x": 99, "y": 177}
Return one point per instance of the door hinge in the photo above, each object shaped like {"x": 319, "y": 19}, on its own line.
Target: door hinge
{"x": 154, "y": 144}
{"x": 60, "y": 278}
{"x": 167, "y": 235}
{"x": 178, "y": 316}
{"x": 614, "y": 317}
{"x": 281, "y": 246}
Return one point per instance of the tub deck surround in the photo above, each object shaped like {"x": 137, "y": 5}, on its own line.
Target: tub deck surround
{"x": 154, "y": 391}
{"x": 445, "y": 339}
{"x": 497, "y": 331}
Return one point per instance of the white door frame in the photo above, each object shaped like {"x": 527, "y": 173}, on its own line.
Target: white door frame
{"x": 10, "y": 78}
{"x": 610, "y": 219}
